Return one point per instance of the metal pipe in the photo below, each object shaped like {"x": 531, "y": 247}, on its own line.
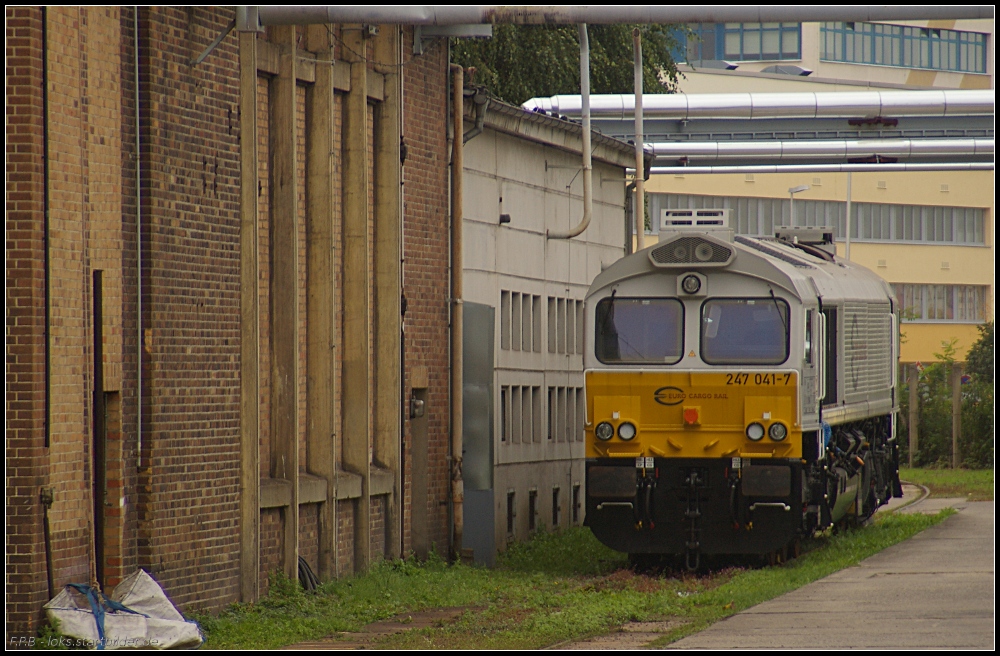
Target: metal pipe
{"x": 457, "y": 164}
{"x": 640, "y": 206}
{"x": 825, "y": 168}
{"x": 847, "y": 221}
{"x": 548, "y": 15}
{"x": 832, "y": 148}
{"x": 138, "y": 247}
{"x": 588, "y": 168}
{"x": 826, "y": 104}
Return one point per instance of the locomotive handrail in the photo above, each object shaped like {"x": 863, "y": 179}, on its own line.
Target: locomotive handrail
{"x": 770, "y": 504}
{"x": 623, "y": 504}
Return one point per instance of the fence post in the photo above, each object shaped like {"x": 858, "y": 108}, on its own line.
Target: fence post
{"x": 956, "y": 411}
{"x": 914, "y": 420}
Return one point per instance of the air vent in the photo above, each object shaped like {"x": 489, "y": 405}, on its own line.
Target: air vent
{"x": 691, "y": 251}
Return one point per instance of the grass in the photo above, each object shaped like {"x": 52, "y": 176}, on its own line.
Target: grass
{"x": 554, "y": 588}
{"x": 971, "y": 484}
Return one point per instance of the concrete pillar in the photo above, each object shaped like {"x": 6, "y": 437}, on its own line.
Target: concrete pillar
{"x": 355, "y": 396}
{"x": 321, "y": 381}
{"x": 284, "y": 289}
{"x": 249, "y": 327}
{"x": 388, "y": 284}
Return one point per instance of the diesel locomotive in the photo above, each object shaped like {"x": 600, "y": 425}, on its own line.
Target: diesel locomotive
{"x": 741, "y": 392}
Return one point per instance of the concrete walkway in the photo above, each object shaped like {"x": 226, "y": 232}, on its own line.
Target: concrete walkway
{"x": 934, "y": 591}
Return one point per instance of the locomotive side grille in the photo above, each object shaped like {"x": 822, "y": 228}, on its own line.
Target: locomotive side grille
{"x": 687, "y": 251}
{"x": 867, "y": 350}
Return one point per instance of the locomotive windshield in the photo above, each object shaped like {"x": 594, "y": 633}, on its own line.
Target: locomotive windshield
{"x": 639, "y": 330}
{"x": 744, "y": 331}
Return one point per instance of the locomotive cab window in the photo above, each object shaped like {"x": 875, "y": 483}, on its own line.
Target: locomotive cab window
{"x": 639, "y": 330}
{"x": 744, "y": 331}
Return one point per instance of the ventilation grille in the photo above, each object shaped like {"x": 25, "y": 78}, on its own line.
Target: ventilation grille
{"x": 691, "y": 251}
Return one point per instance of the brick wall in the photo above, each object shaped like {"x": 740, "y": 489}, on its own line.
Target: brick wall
{"x": 172, "y": 506}
{"x": 191, "y": 305}
{"x": 426, "y": 261}
{"x": 25, "y": 579}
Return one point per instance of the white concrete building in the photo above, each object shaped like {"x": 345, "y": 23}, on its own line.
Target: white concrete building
{"x": 523, "y": 317}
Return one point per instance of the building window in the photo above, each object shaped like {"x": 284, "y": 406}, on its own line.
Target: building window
{"x": 872, "y": 221}
{"x": 520, "y": 414}
{"x": 913, "y": 223}
{"x": 520, "y": 321}
{"x": 744, "y": 41}
{"x": 511, "y": 513}
{"x": 898, "y": 45}
{"x": 565, "y": 325}
{"x": 566, "y": 412}
{"x": 532, "y": 509}
{"x": 555, "y": 507}
{"x": 942, "y": 303}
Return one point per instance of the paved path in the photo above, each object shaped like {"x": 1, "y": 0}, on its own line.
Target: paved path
{"x": 933, "y": 591}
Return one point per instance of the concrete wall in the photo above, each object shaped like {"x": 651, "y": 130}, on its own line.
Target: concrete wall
{"x": 536, "y": 286}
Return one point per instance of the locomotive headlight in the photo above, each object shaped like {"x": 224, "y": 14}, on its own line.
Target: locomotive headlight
{"x": 777, "y": 431}
{"x": 755, "y": 431}
{"x": 703, "y": 252}
{"x": 626, "y": 431}
{"x": 690, "y": 284}
{"x": 604, "y": 431}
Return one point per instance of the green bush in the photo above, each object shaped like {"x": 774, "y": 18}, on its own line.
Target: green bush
{"x": 976, "y": 442}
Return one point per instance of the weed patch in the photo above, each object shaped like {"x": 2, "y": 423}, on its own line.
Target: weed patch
{"x": 556, "y": 588}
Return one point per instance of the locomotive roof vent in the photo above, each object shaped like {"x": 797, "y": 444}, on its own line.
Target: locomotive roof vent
{"x": 811, "y": 238}
{"x": 713, "y": 221}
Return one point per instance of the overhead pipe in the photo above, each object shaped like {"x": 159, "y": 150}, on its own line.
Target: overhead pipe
{"x": 832, "y": 148}
{"x": 565, "y": 15}
{"x": 640, "y": 203}
{"x": 588, "y": 169}
{"x": 749, "y": 106}
{"x": 824, "y": 168}
{"x": 457, "y": 165}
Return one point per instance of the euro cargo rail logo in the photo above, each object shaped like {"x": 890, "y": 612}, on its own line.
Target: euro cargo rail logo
{"x": 669, "y": 395}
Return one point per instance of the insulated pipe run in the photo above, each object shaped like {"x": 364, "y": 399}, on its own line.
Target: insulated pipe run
{"x": 825, "y": 168}
{"x": 567, "y": 15}
{"x": 680, "y": 106}
{"x": 640, "y": 203}
{"x": 457, "y": 361}
{"x": 834, "y": 148}
{"x": 588, "y": 169}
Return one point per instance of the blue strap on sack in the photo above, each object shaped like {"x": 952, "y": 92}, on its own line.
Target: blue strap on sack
{"x": 98, "y": 603}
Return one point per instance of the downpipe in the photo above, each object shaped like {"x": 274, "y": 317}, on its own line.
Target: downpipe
{"x": 588, "y": 169}
{"x": 457, "y": 165}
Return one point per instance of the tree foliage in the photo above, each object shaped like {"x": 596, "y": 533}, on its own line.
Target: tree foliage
{"x": 934, "y": 397}
{"x": 522, "y": 62}
{"x": 979, "y": 361}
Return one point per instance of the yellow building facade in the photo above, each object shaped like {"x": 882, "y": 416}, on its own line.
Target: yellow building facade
{"x": 928, "y": 233}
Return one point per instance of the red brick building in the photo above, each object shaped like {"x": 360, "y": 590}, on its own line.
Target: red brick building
{"x": 207, "y": 359}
